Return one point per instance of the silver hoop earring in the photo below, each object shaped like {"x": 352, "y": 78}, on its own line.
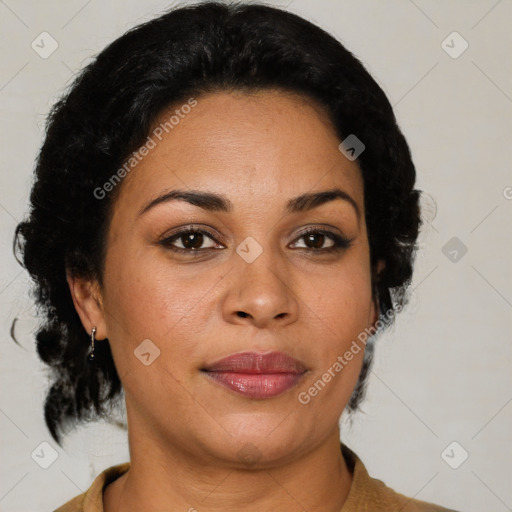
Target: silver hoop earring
{"x": 90, "y": 357}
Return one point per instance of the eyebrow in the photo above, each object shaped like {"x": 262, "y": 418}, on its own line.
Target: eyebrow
{"x": 215, "y": 202}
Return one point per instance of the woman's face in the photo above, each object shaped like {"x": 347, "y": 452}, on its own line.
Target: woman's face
{"x": 251, "y": 281}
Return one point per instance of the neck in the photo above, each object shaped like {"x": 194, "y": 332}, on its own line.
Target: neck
{"x": 166, "y": 479}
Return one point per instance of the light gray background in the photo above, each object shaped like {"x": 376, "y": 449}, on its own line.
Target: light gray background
{"x": 442, "y": 374}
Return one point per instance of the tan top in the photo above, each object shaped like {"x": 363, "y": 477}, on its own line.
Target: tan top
{"x": 366, "y": 494}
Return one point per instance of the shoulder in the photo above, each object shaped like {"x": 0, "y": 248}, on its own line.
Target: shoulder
{"x": 92, "y": 499}
{"x": 367, "y": 493}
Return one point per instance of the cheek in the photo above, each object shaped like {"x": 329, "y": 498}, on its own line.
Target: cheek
{"x": 338, "y": 354}
{"x": 342, "y": 301}
{"x": 150, "y": 299}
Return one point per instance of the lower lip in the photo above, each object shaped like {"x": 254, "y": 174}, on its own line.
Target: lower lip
{"x": 256, "y": 386}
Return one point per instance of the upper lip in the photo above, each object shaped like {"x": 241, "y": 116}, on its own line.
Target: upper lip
{"x": 257, "y": 363}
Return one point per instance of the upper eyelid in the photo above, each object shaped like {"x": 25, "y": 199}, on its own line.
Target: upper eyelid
{"x": 187, "y": 229}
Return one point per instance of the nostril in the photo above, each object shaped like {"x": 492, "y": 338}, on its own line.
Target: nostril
{"x": 242, "y": 314}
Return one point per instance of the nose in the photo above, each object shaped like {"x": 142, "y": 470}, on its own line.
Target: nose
{"x": 261, "y": 293}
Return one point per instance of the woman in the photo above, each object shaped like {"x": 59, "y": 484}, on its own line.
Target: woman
{"x": 223, "y": 217}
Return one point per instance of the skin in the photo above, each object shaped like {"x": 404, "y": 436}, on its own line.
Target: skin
{"x": 186, "y": 432}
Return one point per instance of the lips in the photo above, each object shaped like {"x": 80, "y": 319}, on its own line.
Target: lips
{"x": 257, "y": 375}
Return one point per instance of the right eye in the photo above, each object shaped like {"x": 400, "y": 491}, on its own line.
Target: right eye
{"x": 191, "y": 241}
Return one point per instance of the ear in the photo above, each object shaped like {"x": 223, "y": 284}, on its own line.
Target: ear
{"x": 88, "y": 304}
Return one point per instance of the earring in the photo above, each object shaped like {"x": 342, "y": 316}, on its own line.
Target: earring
{"x": 90, "y": 357}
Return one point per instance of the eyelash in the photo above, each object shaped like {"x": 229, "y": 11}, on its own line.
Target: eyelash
{"x": 340, "y": 243}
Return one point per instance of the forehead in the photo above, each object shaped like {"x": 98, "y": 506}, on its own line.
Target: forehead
{"x": 259, "y": 146}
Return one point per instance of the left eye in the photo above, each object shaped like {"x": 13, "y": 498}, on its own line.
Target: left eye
{"x": 315, "y": 240}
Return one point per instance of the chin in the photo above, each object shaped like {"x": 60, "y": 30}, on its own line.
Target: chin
{"x": 259, "y": 445}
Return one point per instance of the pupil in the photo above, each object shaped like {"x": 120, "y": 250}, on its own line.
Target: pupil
{"x": 192, "y": 240}
{"x": 311, "y": 238}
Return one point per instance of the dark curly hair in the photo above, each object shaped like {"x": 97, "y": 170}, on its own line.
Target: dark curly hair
{"x": 107, "y": 114}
